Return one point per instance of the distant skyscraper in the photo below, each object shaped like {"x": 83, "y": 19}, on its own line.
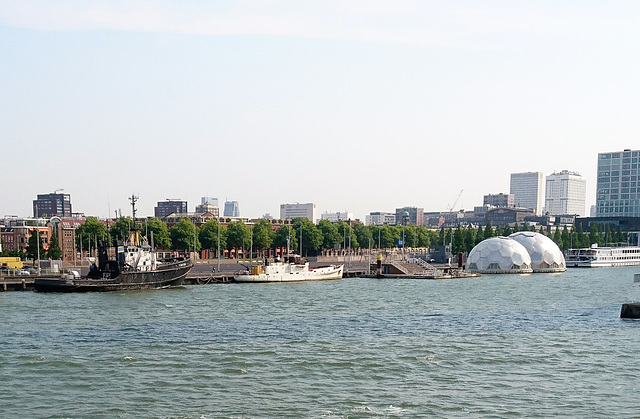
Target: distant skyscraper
{"x": 52, "y": 205}
{"x": 231, "y": 209}
{"x": 565, "y": 194}
{"x": 527, "y": 190}
{"x": 291, "y": 211}
{"x": 207, "y": 200}
{"x": 168, "y": 207}
{"x": 618, "y": 186}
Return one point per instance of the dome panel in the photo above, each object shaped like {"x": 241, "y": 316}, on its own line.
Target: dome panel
{"x": 499, "y": 255}
{"x": 545, "y": 254}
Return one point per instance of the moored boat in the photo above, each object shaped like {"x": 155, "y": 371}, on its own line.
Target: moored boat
{"x": 293, "y": 270}
{"x": 135, "y": 267}
{"x": 603, "y": 257}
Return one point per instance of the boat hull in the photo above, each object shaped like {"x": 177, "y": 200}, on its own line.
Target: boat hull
{"x": 170, "y": 276}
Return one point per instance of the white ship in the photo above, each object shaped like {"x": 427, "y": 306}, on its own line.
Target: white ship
{"x": 603, "y": 257}
{"x": 291, "y": 271}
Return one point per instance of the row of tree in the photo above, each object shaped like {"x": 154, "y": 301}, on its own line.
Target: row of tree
{"x": 185, "y": 236}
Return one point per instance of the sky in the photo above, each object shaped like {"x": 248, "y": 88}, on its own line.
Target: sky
{"x": 358, "y": 106}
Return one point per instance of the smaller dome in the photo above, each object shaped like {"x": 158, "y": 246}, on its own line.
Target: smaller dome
{"x": 545, "y": 254}
{"x": 499, "y": 255}
{"x": 405, "y": 214}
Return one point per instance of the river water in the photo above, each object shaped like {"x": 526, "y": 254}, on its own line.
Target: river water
{"x": 537, "y": 345}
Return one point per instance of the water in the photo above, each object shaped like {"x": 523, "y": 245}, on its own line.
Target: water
{"x": 538, "y": 345}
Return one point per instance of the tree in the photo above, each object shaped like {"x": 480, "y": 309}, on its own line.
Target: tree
{"x": 208, "y": 236}
{"x": 183, "y": 235}
{"x": 121, "y": 228}
{"x": 54, "y": 252}
{"x": 286, "y": 235}
{"x": 566, "y": 239}
{"x": 557, "y": 238}
{"x": 330, "y": 234}
{"x": 488, "y": 230}
{"x": 311, "y": 236}
{"x": 89, "y": 233}
{"x": 262, "y": 235}
{"x": 161, "y": 236}
{"x": 34, "y": 246}
{"x": 458, "y": 241}
{"x": 363, "y": 236}
{"x": 469, "y": 239}
{"x": 479, "y": 235}
{"x": 238, "y": 235}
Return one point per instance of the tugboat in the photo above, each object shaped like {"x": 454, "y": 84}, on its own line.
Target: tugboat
{"x": 136, "y": 267}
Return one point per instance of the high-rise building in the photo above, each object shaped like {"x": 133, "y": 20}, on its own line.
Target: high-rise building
{"x": 501, "y": 200}
{"x": 207, "y": 200}
{"x": 618, "y": 185}
{"x": 565, "y": 194}
{"x": 170, "y": 206}
{"x": 231, "y": 209}
{"x": 527, "y": 190}
{"x": 291, "y": 211}
{"x": 52, "y": 205}
{"x": 415, "y": 216}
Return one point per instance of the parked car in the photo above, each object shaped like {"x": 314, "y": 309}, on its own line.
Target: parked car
{"x": 31, "y": 270}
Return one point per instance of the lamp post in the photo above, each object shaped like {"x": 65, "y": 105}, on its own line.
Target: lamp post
{"x": 218, "y": 239}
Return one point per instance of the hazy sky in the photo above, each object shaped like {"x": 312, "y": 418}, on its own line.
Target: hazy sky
{"x": 358, "y": 106}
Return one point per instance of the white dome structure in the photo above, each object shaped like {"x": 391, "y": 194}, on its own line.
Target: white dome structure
{"x": 499, "y": 255}
{"x": 545, "y": 253}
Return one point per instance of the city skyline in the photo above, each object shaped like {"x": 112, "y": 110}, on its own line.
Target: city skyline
{"x": 360, "y": 106}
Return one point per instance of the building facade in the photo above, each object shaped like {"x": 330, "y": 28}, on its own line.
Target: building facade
{"x": 500, "y": 200}
{"x": 618, "y": 184}
{"x": 527, "y": 189}
{"x": 415, "y": 216}
{"x": 380, "y": 218}
{"x": 231, "y": 209}
{"x": 52, "y": 205}
{"x": 565, "y": 194}
{"x": 212, "y": 209}
{"x": 335, "y": 217}
{"x": 291, "y": 211}
{"x": 170, "y": 206}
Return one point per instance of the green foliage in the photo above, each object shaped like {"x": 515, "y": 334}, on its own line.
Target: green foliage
{"x": 286, "y": 234}
{"x": 488, "y": 230}
{"x": 263, "y": 235}
{"x": 120, "y": 229}
{"x": 34, "y": 245}
{"x": 182, "y": 236}
{"x": 208, "y": 235}
{"x": 330, "y": 234}
{"x": 458, "y": 241}
{"x": 238, "y": 235}
{"x": 311, "y": 236}
{"x": 161, "y": 236}
{"x": 54, "y": 252}
{"x": 363, "y": 236}
{"x": 89, "y": 233}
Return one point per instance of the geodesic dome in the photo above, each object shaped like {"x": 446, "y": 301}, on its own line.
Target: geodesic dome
{"x": 545, "y": 254}
{"x": 497, "y": 255}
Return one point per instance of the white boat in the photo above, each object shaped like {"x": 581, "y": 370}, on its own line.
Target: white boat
{"x": 603, "y": 257}
{"x": 292, "y": 271}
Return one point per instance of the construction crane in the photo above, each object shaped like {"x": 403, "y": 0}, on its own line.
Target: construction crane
{"x": 452, "y": 206}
